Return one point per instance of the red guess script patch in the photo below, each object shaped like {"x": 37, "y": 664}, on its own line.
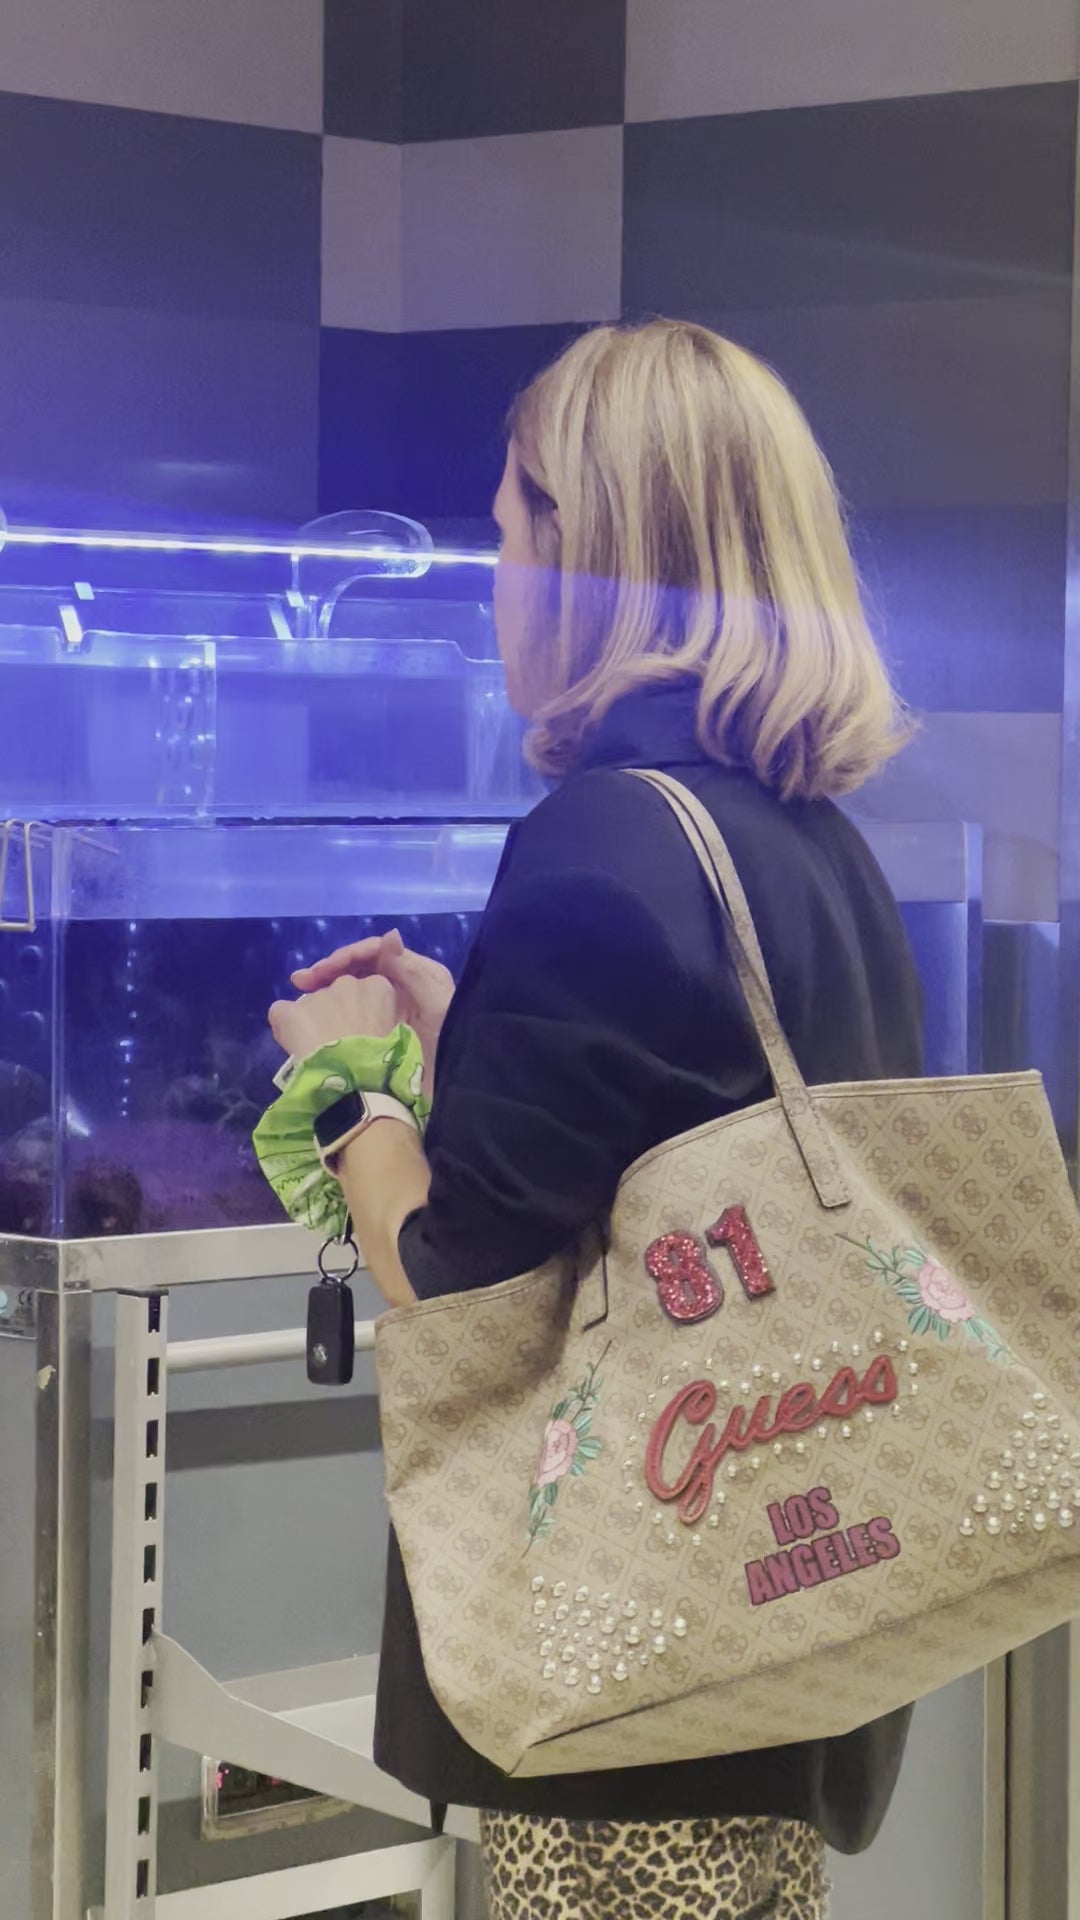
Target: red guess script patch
{"x": 690, "y": 1484}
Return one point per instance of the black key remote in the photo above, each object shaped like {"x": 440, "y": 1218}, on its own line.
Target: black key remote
{"x": 331, "y": 1340}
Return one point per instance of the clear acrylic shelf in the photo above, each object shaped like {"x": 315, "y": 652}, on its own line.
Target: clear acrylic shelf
{"x": 349, "y": 672}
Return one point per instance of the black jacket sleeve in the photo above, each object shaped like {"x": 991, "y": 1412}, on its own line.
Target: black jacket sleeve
{"x": 573, "y": 1021}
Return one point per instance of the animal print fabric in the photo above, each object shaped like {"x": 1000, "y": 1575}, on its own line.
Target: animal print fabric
{"x": 726, "y": 1869}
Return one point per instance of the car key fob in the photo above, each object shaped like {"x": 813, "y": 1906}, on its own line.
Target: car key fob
{"x": 331, "y": 1342}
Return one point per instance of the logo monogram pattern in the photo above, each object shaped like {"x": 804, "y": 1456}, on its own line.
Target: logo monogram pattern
{"x": 967, "y": 1171}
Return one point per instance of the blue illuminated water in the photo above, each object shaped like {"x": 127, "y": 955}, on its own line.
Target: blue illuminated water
{"x": 167, "y": 1063}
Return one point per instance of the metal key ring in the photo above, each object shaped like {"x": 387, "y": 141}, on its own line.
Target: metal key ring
{"x": 346, "y": 1242}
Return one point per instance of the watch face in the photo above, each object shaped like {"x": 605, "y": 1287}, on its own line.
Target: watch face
{"x": 339, "y": 1119}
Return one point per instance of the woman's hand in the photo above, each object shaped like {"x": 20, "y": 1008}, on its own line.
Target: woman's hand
{"x": 423, "y": 988}
{"x": 344, "y": 1008}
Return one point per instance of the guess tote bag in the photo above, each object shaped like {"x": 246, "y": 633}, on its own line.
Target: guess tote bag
{"x": 799, "y": 1444}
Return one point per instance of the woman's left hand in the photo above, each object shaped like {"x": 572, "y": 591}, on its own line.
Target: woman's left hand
{"x": 349, "y": 1007}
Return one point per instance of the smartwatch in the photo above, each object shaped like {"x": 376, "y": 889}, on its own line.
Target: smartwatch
{"x": 345, "y": 1119}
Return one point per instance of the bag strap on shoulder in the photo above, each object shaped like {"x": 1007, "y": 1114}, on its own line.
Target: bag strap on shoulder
{"x": 720, "y": 872}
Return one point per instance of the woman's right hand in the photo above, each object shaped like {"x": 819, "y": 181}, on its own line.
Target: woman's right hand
{"x": 424, "y": 988}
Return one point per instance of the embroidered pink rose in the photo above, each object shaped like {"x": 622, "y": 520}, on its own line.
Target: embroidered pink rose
{"x": 943, "y": 1294}
{"x": 567, "y": 1448}
{"x": 559, "y": 1445}
{"x": 934, "y": 1299}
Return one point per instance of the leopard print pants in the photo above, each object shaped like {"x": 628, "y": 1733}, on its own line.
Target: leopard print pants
{"x": 727, "y": 1869}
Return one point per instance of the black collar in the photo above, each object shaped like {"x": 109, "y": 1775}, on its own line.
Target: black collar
{"x": 652, "y": 727}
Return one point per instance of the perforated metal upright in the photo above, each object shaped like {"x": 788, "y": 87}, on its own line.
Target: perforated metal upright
{"x": 56, "y": 1316}
{"x": 138, "y": 1511}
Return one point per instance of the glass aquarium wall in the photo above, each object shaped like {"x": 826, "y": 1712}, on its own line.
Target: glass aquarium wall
{"x": 135, "y": 1057}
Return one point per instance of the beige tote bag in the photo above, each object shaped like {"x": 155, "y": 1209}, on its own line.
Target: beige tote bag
{"x": 803, "y": 1445}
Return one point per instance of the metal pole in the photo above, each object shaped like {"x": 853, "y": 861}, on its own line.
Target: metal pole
{"x": 439, "y": 1892}
{"x": 1067, "y": 1090}
{"x": 995, "y": 1790}
{"x": 138, "y": 1487}
{"x": 1073, "y": 1842}
{"x": 61, "y": 1603}
{"x": 251, "y": 1349}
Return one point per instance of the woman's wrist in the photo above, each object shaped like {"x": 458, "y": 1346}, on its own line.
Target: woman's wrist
{"x": 285, "y": 1138}
{"x": 384, "y": 1179}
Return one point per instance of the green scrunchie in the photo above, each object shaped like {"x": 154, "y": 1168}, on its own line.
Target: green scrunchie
{"x": 284, "y": 1138}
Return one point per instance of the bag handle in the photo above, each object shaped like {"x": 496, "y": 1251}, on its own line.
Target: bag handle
{"x": 814, "y": 1144}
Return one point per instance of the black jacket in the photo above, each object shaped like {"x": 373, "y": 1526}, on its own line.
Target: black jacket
{"x": 598, "y": 1015}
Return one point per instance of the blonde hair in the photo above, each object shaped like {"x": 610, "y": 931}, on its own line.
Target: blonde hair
{"x": 690, "y": 525}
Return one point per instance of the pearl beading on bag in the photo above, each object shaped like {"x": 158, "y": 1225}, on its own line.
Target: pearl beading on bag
{"x": 604, "y": 1645}
{"x": 1041, "y": 1468}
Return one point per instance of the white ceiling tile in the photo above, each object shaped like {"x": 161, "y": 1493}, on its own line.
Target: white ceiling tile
{"x": 688, "y": 57}
{"x": 513, "y": 230}
{"x": 258, "y": 62}
{"x": 361, "y": 235}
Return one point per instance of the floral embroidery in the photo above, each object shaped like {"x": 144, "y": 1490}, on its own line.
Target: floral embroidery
{"x": 567, "y": 1447}
{"x": 934, "y": 1297}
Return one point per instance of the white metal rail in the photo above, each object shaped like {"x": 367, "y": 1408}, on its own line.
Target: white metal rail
{"x": 251, "y": 1349}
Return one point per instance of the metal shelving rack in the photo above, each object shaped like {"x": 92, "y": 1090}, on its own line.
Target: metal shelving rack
{"x": 311, "y": 1725}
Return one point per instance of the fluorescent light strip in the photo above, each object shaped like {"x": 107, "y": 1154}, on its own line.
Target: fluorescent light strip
{"x": 196, "y": 543}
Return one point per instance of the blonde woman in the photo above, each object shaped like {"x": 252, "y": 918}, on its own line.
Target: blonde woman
{"x": 674, "y": 590}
